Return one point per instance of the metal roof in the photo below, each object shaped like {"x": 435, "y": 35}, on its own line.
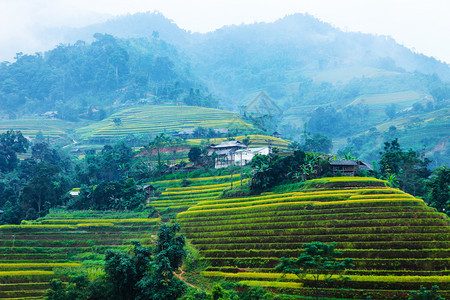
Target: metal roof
{"x": 252, "y": 149}
{"x": 343, "y": 163}
{"x": 228, "y": 144}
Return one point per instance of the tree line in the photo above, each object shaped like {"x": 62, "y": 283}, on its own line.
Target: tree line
{"x": 73, "y": 79}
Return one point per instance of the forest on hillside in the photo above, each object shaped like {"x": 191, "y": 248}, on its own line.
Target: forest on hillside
{"x": 357, "y": 89}
{"x": 74, "y": 79}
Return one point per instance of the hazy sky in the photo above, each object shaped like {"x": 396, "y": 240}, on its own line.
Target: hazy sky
{"x": 423, "y": 25}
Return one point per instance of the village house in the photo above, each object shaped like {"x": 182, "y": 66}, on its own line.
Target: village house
{"x": 149, "y": 189}
{"x": 276, "y": 134}
{"x": 225, "y": 153}
{"x": 232, "y": 153}
{"x": 50, "y": 114}
{"x": 245, "y": 156}
{"x": 184, "y": 134}
{"x": 349, "y": 167}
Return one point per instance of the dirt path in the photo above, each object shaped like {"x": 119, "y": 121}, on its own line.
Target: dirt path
{"x": 180, "y": 276}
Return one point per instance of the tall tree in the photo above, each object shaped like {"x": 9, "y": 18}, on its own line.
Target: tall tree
{"x": 158, "y": 144}
{"x": 320, "y": 262}
{"x": 409, "y": 167}
{"x": 43, "y": 188}
{"x": 439, "y": 184}
{"x": 11, "y": 143}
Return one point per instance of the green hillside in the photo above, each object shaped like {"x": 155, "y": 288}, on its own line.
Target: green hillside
{"x": 178, "y": 197}
{"x": 54, "y": 129}
{"x": 156, "y": 119}
{"x": 62, "y": 243}
{"x": 396, "y": 241}
{"x": 256, "y": 140}
{"x": 427, "y": 132}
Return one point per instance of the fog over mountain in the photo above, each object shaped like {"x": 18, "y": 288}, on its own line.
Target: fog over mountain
{"x": 332, "y": 82}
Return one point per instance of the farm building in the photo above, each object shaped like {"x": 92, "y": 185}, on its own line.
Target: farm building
{"x": 149, "y": 189}
{"x": 225, "y": 153}
{"x": 231, "y": 153}
{"x": 245, "y": 156}
{"x": 50, "y": 114}
{"x": 276, "y": 134}
{"x": 184, "y": 134}
{"x": 348, "y": 167}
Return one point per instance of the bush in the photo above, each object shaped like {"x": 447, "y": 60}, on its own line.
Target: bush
{"x": 423, "y": 294}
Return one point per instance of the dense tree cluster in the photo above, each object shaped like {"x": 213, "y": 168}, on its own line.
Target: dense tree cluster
{"x": 29, "y": 187}
{"x": 340, "y": 123}
{"x": 439, "y": 189}
{"x": 72, "y": 79}
{"x": 115, "y": 195}
{"x": 109, "y": 178}
{"x": 408, "y": 169}
{"x": 273, "y": 169}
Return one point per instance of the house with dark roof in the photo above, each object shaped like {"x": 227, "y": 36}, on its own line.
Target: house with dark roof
{"x": 184, "y": 134}
{"x": 348, "y": 167}
{"x": 276, "y": 134}
{"x": 225, "y": 153}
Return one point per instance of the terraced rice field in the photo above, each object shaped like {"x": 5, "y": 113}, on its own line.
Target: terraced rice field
{"x": 180, "y": 198}
{"x": 30, "y": 127}
{"x": 32, "y": 254}
{"x": 256, "y": 141}
{"x": 156, "y": 119}
{"x": 397, "y": 242}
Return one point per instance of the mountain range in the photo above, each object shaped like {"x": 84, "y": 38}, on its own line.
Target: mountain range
{"x": 325, "y": 80}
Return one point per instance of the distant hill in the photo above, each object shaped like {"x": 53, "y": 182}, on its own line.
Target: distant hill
{"x": 156, "y": 119}
{"x": 336, "y": 83}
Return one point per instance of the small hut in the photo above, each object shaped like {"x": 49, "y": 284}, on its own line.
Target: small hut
{"x": 276, "y": 134}
{"x": 349, "y": 167}
{"x": 149, "y": 190}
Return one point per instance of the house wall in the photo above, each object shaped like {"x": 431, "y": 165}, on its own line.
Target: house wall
{"x": 248, "y": 154}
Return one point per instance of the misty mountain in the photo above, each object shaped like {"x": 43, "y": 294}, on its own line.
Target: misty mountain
{"x": 237, "y": 61}
{"x": 83, "y": 78}
{"x": 138, "y": 25}
{"x": 336, "y": 83}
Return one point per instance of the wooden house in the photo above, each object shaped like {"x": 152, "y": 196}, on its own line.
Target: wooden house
{"x": 149, "y": 190}
{"x": 276, "y": 134}
{"x": 348, "y": 167}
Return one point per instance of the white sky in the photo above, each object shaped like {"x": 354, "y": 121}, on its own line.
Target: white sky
{"x": 423, "y": 25}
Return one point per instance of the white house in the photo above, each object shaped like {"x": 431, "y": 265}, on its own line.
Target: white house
{"x": 245, "y": 156}
{"x": 234, "y": 153}
{"x": 225, "y": 153}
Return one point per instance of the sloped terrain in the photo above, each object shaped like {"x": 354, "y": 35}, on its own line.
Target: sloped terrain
{"x": 156, "y": 119}
{"x": 398, "y": 243}
{"x": 175, "y": 196}
{"x": 51, "y": 128}
{"x": 32, "y": 254}
{"x": 256, "y": 140}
